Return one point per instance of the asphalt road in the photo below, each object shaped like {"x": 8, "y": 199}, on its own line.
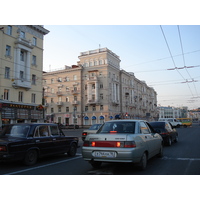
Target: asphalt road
{"x": 182, "y": 158}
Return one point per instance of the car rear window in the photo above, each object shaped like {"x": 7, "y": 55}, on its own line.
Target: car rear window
{"x": 15, "y": 130}
{"x": 117, "y": 127}
{"x": 157, "y": 124}
{"x": 95, "y": 127}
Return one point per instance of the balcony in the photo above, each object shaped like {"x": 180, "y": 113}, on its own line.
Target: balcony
{"x": 92, "y": 102}
{"x": 74, "y": 92}
{"x": 75, "y": 102}
{"x": 59, "y": 93}
{"x": 92, "y": 78}
{"x": 115, "y": 102}
{"x": 60, "y": 103}
{"x": 46, "y": 105}
{"x": 22, "y": 83}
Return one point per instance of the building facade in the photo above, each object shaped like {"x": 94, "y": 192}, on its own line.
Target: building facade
{"x": 21, "y": 66}
{"x": 96, "y": 90}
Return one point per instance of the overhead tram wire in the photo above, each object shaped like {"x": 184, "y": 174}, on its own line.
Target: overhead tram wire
{"x": 173, "y": 59}
{"x": 184, "y": 61}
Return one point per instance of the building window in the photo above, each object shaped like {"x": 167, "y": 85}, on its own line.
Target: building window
{"x": 59, "y": 109}
{"x": 75, "y": 77}
{"x": 8, "y": 50}
{"x": 52, "y": 80}
{"x": 101, "y": 86}
{"x": 67, "y": 79}
{"x": 52, "y": 90}
{"x": 67, "y": 99}
{"x": 52, "y": 111}
{"x": 33, "y": 79}
{"x": 67, "y": 89}
{"x": 91, "y": 63}
{"x": 21, "y": 75}
{"x": 20, "y": 96}
{"x": 33, "y": 60}
{"x": 33, "y": 98}
{"x": 86, "y": 108}
{"x": 75, "y": 108}
{"x": 22, "y": 56}
{"x": 7, "y": 72}
{"x": 6, "y": 94}
{"x": 51, "y": 100}
{"x": 9, "y": 30}
{"x": 59, "y": 79}
{"x": 101, "y": 107}
{"x": 34, "y": 41}
{"x": 22, "y": 34}
{"x": 101, "y": 96}
{"x": 67, "y": 109}
{"x": 93, "y": 108}
{"x": 95, "y": 62}
{"x": 75, "y": 89}
{"x": 101, "y": 62}
{"x": 75, "y": 98}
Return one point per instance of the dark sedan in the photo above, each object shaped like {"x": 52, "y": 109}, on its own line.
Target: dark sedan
{"x": 166, "y": 130}
{"x": 27, "y": 142}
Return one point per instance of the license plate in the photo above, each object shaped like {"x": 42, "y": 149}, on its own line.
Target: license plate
{"x": 104, "y": 154}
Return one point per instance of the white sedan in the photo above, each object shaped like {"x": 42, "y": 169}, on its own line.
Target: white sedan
{"x": 128, "y": 141}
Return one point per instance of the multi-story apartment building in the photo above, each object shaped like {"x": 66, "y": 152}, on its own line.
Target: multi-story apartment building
{"x": 96, "y": 90}
{"x": 21, "y": 64}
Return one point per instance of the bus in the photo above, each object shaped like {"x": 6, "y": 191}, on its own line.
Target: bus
{"x": 185, "y": 122}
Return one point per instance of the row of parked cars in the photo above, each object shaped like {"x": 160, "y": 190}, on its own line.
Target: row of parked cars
{"x": 127, "y": 141}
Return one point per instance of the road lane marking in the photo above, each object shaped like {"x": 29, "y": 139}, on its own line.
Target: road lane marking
{"x": 50, "y": 164}
{"x": 189, "y": 159}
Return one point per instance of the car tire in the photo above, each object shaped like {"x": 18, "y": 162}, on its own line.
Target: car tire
{"x": 143, "y": 162}
{"x": 169, "y": 141}
{"x": 30, "y": 157}
{"x": 96, "y": 164}
{"x": 176, "y": 139}
{"x": 72, "y": 150}
{"x": 160, "y": 154}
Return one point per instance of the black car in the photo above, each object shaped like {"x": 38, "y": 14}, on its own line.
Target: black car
{"x": 166, "y": 130}
{"x": 28, "y": 142}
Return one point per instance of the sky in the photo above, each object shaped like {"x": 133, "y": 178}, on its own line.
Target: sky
{"x": 154, "y": 53}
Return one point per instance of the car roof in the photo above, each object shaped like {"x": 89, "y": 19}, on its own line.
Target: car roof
{"x": 126, "y": 120}
{"x": 33, "y": 124}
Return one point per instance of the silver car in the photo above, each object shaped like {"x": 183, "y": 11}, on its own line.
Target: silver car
{"x": 92, "y": 130}
{"x": 128, "y": 141}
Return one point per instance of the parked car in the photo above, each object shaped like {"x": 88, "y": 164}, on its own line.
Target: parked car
{"x": 28, "y": 142}
{"x": 92, "y": 130}
{"x": 174, "y": 122}
{"x": 166, "y": 130}
{"x": 70, "y": 126}
{"x": 127, "y": 141}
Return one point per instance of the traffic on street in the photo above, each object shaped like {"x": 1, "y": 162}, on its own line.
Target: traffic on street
{"x": 181, "y": 158}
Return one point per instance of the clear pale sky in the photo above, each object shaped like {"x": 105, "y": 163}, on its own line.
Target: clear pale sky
{"x": 147, "y": 50}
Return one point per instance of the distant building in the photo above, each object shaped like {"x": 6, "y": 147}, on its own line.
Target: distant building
{"x": 173, "y": 112}
{"x": 96, "y": 90}
{"x": 21, "y": 64}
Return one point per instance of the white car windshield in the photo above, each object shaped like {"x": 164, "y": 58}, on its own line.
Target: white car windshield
{"x": 118, "y": 127}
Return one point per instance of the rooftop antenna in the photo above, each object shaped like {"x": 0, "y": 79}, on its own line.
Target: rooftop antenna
{"x": 99, "y": 46}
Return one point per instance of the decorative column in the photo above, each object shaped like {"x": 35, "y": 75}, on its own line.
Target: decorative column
{"x": 28, "y": 66}
{"x": 96, "y": 91}
{"x": 17, "y": 69}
